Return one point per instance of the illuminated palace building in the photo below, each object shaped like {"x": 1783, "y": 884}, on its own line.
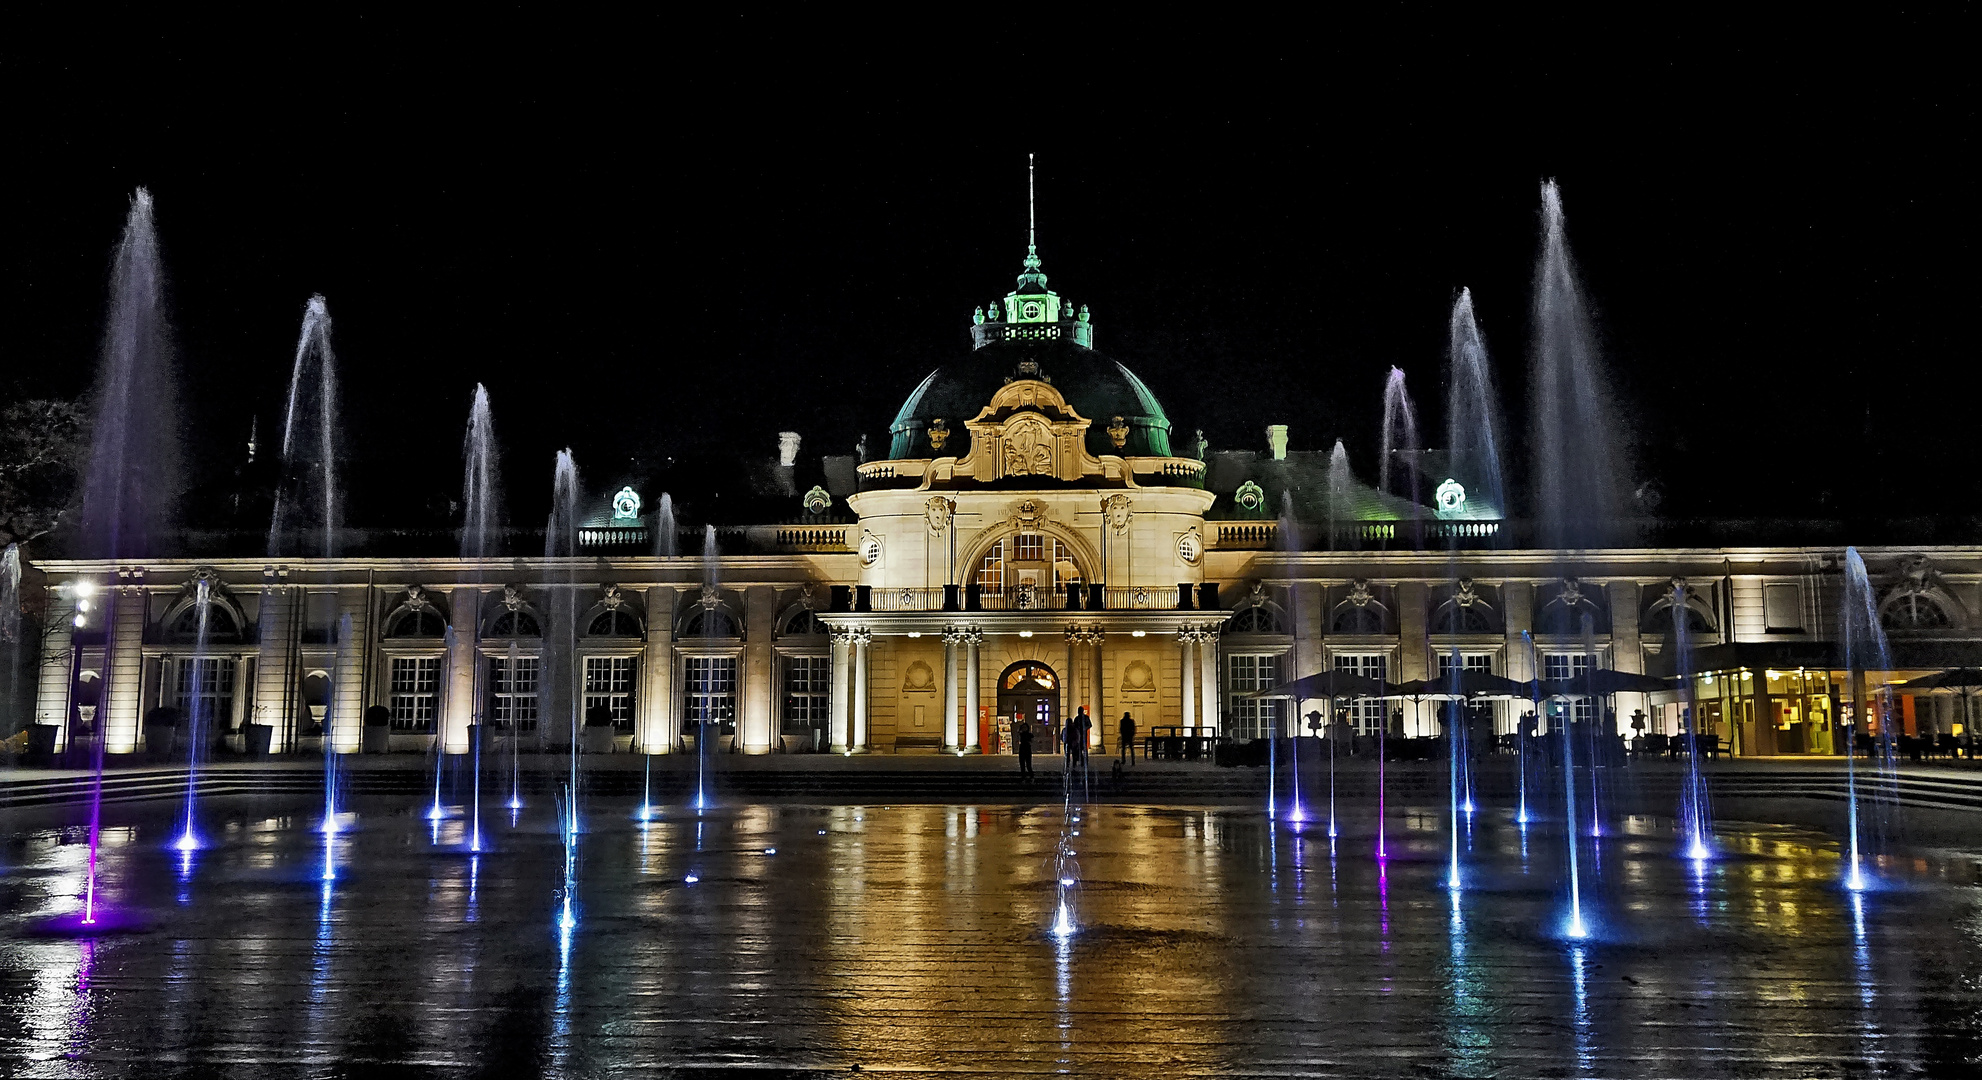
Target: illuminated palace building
{"x": 1038, "y": 538}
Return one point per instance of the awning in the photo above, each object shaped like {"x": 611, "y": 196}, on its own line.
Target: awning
{"x": 1334, "y": 683}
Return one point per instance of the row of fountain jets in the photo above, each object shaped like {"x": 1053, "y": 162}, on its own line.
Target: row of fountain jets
{"x": 1578, "y": 501}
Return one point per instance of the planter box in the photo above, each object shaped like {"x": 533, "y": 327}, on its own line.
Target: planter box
{"x": 378, "y": 740}
{"x": 595, "y": 740}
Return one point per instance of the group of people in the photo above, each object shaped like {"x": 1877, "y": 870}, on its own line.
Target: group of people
{"x": 1074, "y": 737}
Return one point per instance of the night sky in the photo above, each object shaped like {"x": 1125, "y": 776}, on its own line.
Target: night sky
{"x": 667, "y": 240}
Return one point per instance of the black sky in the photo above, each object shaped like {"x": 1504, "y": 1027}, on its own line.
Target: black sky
{"x": 655, "y": 238}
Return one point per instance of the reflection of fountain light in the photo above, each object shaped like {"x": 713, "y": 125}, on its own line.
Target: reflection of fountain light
{"x": 436, "y": 813}
{"x": 770, "y": 851}
{"x": 644, "y": 814}
{"x": 187, "y": 842}
{"x": 690, "y": 879}
{"x": 1856, "y": 880}
{"x": 1697, "y": 849}
{"x": 1576, "y": 928}
{"x": 516, "y": 802}
{"x": 567, "y": 921}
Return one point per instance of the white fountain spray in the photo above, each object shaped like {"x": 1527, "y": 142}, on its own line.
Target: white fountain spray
{"x": 1338, "y": 493}
{"x": 667, "y": 544}
{"x": 1473, "y": 427}
{"x": 481, "y": 506}
{"x": 1400, "y": 436}
{"x": 1579, "y": 463}
{"x": 309, "y": 448}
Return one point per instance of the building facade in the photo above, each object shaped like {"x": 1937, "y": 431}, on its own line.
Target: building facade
{"x": 1037, "y": 541}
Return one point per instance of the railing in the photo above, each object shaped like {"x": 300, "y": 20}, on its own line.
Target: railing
{"x": 1135, "y": 598}
{"x": 611, "y": 537}
{"x": 813, "y": 537}
{"x": 1252, "y": 534}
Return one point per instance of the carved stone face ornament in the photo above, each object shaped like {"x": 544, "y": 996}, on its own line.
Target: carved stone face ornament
{"x": 1118, "y": 432}
{"x": 1359, "y": 592}
{"x": 1117, "y": 509}
{"x": 938, "y": 514}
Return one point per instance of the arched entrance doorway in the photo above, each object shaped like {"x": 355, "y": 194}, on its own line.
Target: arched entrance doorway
{"x": 1029, "y": 692}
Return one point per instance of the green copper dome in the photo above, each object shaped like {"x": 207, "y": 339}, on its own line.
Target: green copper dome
{"x": 1097, "y": 387}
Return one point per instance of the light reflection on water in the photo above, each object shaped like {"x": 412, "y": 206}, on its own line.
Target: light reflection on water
{"x": 914, "y": 937}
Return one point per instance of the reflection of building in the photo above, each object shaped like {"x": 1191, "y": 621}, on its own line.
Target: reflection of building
{"x": 1038, "y": 539}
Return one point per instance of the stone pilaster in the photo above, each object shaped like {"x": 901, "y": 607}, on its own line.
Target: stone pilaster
{"x": 654, "y": 731}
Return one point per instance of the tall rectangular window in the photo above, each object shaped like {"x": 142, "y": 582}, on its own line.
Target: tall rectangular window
{"x": 1065, "y": 572}
{"x": 206, "y": 691}
{"x": 1475, "y": 663}
{"x": 1251, "y": 717}
{"x": 1366, "y": 714}
{"x": 513, "y": 693}
{"x": 710, "y": 687}
{"x": 609, "y": 682}
{"x": 808, "y": 689}
{"x": 1558, "y": 666}
{"x": 415, "y": 692}
{"x": 991, "y": 572}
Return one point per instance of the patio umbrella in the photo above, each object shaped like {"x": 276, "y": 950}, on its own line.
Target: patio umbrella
{"x": 1334, "y": 683}
{"x": 1961, "y": 678}
{"x": 1483, "y": 684}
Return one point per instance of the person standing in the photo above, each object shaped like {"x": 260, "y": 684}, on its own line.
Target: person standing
{"x": 1082, "y": 731}
{"x": 1022, "y": 734}
{"x": 1128, "y": 736}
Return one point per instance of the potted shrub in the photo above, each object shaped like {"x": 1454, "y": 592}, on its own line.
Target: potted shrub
{"x": 161, "y": 732}
{"x": 598, "y": 735}
{"x": 378, "y": 730}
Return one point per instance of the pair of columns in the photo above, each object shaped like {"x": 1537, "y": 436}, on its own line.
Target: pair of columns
{"x": 849, "y": 709}
{"x": 1086, "y": 639}
{"x": 966, "y": 739}
{"x": 1199, "y": 648}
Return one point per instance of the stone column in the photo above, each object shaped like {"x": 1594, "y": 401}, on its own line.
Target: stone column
{"x": 1414, "y": 660}
{"x": 757, "y": 725}
{"x": 58, "y": 663}
{"x": 1207, "y": 677}
{"x": 1095, "y": 705}
{"x": 1188, "y": 667}
{"x": 274, "y": 698}
{"x": 841, "y": 699}
{"x": 655, "y": 730}
{"x": 123, "y": 670}
{"x": 464, "y": 611}
{"x": 973, "y": 703}
{"x": 357, "y": 642}
{"x": 863, "y": 638}
{"x": 952, "y": 637}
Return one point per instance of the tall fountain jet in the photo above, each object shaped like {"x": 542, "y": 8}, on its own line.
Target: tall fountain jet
{"x": 134, "y": 451}
{"x": 1579, "y": 468}
{"x": 1400, "y": 435}
{"x": 1865, "y": 649}
{"x": 481, "y": 516}
{"x": 307, "y": 498}
{"x": 1338, "y": 492}
{"x": 666, "y": 543}
{"x": 481, "y": 498}
{"x": 1472, "y": 413}
{"x": 132, "y": 477}
{"x": 561, "y": 541}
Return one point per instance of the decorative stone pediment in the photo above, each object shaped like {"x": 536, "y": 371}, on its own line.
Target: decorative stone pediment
{"x": 1028, "y": 429}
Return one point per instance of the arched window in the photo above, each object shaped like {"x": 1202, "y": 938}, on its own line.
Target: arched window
{"x": 991, "y": 571}
{"x": 1913, "y": 611}
{"x": 1258, "y": 619}
{"x": 219, "y": 623}
{"x": 515, "y": 624}
{"x": 1565, "y": 616}
{"x": 1463, "y": 619}
{"x": 708, "y": 623}
{"x": 803, "y": 623}
{"x": 1659, "y": 619}
{"x": 1358, "y": 619}
{"x": 417, "y": 622}
{"x": 618, "y": 622}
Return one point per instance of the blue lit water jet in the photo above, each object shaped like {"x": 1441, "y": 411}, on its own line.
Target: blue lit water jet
{"x": 1864, "y": 648}
{"x": 203, "y": 604}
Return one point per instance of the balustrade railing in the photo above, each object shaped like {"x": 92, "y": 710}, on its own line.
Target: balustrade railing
{"x": 1131, "y": 598}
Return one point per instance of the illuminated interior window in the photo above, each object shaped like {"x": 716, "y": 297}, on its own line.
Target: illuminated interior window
{"x": 1249, "y": 717}
{"x": 1366, "y": 714}
{"x": 808, "y": 690}
{"x": 991, "y": 572}
{"x": 1029, "y": 547}
{"x": 1064, "y": 570}
{"x": 415, "y": 692}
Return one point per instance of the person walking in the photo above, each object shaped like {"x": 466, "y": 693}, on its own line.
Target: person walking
{"x": 1128, "y": 737}
{"x": 1023, "y": 736}
{"x": 1083, "y": 731}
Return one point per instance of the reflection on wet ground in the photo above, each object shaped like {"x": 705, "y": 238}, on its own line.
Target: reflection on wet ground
{"x": 914, "y": 940}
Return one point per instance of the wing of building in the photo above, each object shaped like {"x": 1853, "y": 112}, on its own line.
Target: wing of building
{"x": 1038, "y": 540}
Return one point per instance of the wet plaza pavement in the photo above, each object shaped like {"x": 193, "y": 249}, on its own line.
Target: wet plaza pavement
{"x": 913, "y": 940}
